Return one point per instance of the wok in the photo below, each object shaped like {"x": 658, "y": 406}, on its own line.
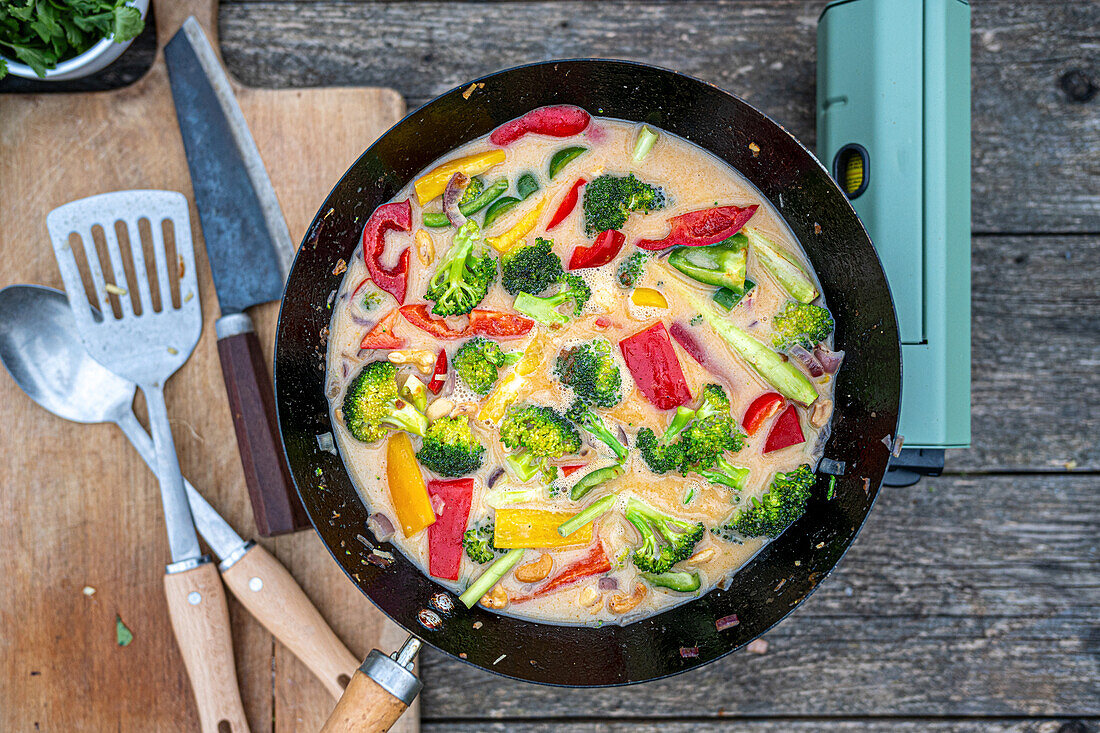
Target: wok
{"x": 867, "y": 391}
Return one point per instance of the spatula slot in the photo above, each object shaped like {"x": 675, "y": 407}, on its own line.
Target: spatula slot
{"x": 133, "y": 294}
{"x": 76, "y": 248}
{"x": 176, "y": 265}
{"x": 149, "y": 262}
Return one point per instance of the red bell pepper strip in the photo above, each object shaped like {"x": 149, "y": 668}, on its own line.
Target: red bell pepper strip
{"x": 495, "y": 324}
{"x": 492, "y": 324}
{"x": 703, "y": 227}
{"x": 561, "y": 120}
{"x": 762, "y": 409}
{"x": 594, "y": 563}
{"x": 570, "y": 470}
{"x": 439, "y": 377}
{"x": 396, "y": 216}
{"x": 786, "y": 431}
{"x": 382, "y": 336}
{"x": 565, "y": 208}
{"x": 445, "y": 534}
{"x": 652, "y": 362}
{"x": 603, "y": 250}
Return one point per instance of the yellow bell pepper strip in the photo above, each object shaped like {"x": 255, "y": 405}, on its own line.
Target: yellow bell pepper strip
{"x": 431, "y": 184}
{"x": 648, "y": 297}
{"x": 514, "y": 384}
{"x": 407, "y": 491}
{"x": 536, "y": 528}
{"x": 507, "y": 241}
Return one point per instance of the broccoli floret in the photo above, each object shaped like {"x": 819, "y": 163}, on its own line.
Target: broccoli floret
{"x": 784, "y": 503}
{"x": 545, "y": 310}
{"x": 473, "y": 189}
{"x": 582, "y": 415}
{"x": 372, "y": 406}
{"x": 609, "y": 199}
{"x": 632, "y": 268}
{"x": 530, "y": 269}
{"x": 477, "y": 363}
{"x": 451, "y": 448}
{"x": 538, "y": 433}
{"x": 660, "y": 457}
{"x": 800, "y": 323}
{"x": 679, "y": 537}
{"x": 592, "y": 372}
{"x": 464, "y": 275}
{"x": 725, "y": 473}
{"x": 478, "y": 543}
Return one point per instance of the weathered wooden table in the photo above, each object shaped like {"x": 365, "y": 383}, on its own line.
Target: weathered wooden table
{"x": 969, "y": 602}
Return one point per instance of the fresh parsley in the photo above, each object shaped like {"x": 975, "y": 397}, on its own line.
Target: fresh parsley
{"x": 42, "y": 33}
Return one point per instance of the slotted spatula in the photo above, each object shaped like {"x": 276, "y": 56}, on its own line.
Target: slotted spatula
{"x": 147, "y": 325}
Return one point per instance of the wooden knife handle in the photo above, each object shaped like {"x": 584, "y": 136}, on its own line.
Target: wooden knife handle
{"x": 270, "y": 593}
{"x": 275, "y": 504}
{"x": 366, "y": 707}
{"x": 200, "y": 620}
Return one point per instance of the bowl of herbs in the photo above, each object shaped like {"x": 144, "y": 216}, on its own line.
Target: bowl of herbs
{"x": 56, "y": 40}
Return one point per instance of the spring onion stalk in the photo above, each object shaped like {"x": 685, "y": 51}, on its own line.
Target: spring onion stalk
{"x": 507, "y": 497}
{"x": 646, "y": 138}
{"x": 591, "y": 480}
{"x": 490, "y": 577}
{"x": 594, "y": 510}
{"x": 789, "y": 273}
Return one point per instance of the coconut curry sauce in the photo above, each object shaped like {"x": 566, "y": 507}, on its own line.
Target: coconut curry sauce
{"x": 696, "y": 306}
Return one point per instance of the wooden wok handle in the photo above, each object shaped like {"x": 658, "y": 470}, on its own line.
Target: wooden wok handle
{"x": 275, "y": 503}
{"x": 270, "y": 593}
{"x": 200, "y": 620}
{"x": 379, "y": 692}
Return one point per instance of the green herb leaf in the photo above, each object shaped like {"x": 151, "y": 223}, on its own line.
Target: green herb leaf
{"x": 128, "y": 24}
{"x": 42, "y": 33}
{"x": 122, "y": 633}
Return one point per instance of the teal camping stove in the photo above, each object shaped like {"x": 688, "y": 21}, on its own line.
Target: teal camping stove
{"x": 893, "y": 128}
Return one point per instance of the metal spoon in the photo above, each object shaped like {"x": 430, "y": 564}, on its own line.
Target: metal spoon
{"x": 41, "y": 349}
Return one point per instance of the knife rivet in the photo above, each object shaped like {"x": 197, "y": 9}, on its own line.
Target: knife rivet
{"x": 194, "y": 598}
{"x": 255, "y": 584}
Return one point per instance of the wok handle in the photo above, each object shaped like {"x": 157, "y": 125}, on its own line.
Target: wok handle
{"x": 200, "y": 620}
{"x": 275, "y": 504}
{"x": 379, "y": 692}
{"x": 270, "y": 593}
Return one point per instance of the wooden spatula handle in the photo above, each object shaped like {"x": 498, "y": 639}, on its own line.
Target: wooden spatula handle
{"x": 275, "y": 503}
{"x": 271, "y": 594}
{"x": 200, "y": 620}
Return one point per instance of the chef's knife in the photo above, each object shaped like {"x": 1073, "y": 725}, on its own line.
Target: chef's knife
{"x": 250, "y": 253}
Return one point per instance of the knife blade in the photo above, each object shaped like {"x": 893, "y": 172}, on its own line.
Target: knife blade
{"x": 250, "y": 252}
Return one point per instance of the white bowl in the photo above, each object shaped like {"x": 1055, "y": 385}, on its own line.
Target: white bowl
{"x": 94, "y": 59}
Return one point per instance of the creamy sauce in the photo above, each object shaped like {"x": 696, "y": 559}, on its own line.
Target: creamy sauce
{"x": 692, "y": 179}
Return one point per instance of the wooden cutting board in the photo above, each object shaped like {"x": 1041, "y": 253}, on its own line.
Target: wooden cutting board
{"x": 78, "y": 509}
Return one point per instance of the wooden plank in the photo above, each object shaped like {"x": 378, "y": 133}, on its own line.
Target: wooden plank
{"x": 963, "y": 596}
{"x": 1035, "y": 371}
{"x": 787, "y": 725}
{"x": 1036, "y": 146}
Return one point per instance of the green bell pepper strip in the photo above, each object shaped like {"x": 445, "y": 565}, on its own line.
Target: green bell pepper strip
{"x": 438, "y": 220}
{"x": 727, "y": 298}
{"x": 681, "y": 582}
{"x": 593, "y": 479}
{"x": 721, "y": 264}
{"x": 499, "y": 208}
{"x": 526, "y": 185}
{"x": 563, "y": 157}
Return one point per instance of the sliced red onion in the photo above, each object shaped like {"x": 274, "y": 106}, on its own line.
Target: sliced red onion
{"x": 689, "y": 652}
{"x": 608, "y": 583}
{"x": 438, "y": 504}
{"x": 359, "y": 320}
{"x": 494, "y": 477}
{"x": 830, "y": 360}
{"x": 715, "y": 363}
{"x": 727, "y": 622}
{"x": 683, "y": 337}
{"x": 807, "y": 360}
{"x": 326, "y": 443}
{"x": 888, "y": 442}
{"x": 620, "y": 432}
{"x": 380, "y": 558}
{"x": 451, "y": 196}
{"x": 757, "y": 646}
{"x": 381, "y": 527}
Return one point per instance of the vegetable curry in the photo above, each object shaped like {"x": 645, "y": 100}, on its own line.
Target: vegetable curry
{"x": 580, "y": 370}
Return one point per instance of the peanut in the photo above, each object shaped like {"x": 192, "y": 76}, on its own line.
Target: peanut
{"x": 425, "y": 247}
{"x": 822, "y": 411}
{"x": 590, "y": 598}
{"x": 423, "y": 360}
{"x": 535, "y": 571}
{"x": 439, "y": 408}
{"x": 464, "y": 408}
{"x": 702, "y": 556}
{"x": 620, "y": 603}
{"x": 497, "y": 598}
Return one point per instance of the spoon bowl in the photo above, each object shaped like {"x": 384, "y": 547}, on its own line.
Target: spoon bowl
{"x": 41, "y": 349}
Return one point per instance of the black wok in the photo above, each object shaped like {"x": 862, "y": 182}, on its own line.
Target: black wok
{"x": 867, "y": 392}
